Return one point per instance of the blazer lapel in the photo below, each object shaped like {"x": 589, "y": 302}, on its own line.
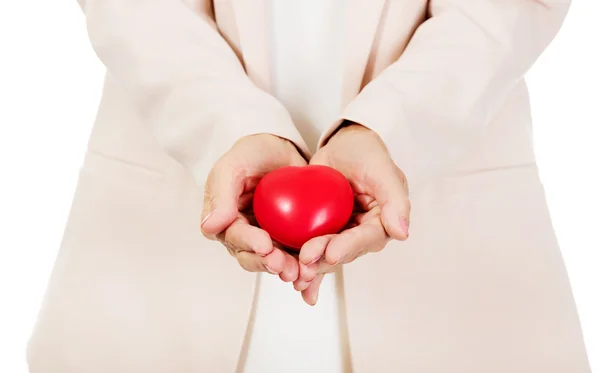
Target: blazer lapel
{"x": 252, "y": 24}
{"x": 362, "y": 23}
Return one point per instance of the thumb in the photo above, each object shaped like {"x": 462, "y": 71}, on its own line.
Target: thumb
{"x": 221, "y": 193}
{"x": 391, "y": 193}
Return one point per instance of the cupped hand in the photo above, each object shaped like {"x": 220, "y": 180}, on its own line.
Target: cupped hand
{"x": 382, "y": 207}
{"x": 227, "y": 213}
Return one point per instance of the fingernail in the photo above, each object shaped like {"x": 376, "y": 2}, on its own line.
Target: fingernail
{"x": 316, "y": 260}
{"x": 271, "y": 271}
{"x": 297, "y": 286}
{"x": 404, "y": 225}
{"x": 206, "y": 218}
{"x": 258, "y": 252}
{"x": 315, "y": 299}
{"x": 340, "y": 260}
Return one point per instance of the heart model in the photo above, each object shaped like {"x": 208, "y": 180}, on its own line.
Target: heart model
{"x": 294, "y": 204}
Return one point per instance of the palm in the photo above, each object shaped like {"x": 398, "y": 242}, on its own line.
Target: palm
{"x": 380, "y": 212}
{"x": 228, "y": 215}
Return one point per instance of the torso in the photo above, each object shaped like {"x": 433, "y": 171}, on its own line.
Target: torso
{"x": 305, "y": 39}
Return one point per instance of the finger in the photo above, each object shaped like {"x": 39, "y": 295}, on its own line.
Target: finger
{"x": 290, "y": 271}
{"x": 396, "y": 220}
{"x": 308, "y": 272}
{"x": 244, "y": 237}
{"x": 343, "y": 248}
{"x": 364, "y": 202}
{"x": 306, "y": 276}
{"x": 311, "y": 294}
{"x": 250, "y": 262}
{"x": 319, "y": 268}
{"x": 301, "y": 285}
{"x": 221, "y": 194}
{"x": 314, "y": 249}
{"x": 245, "y": 201}
{"x": 273, "y": 263}
{"x": 391, "y": 193}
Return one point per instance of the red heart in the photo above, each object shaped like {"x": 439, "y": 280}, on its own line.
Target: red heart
{"x": 294, "y": 204}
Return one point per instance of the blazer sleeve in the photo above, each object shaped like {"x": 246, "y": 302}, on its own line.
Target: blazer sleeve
{"x": 456, "y": 72}
{"x": 186, "y": 82}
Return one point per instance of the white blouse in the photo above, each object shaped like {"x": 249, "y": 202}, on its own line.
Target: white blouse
{"x": 306, "y": 57}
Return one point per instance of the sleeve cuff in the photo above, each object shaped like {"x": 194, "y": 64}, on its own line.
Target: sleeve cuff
{"x": 412, "y": 144}
{"x": 198, "y": 126}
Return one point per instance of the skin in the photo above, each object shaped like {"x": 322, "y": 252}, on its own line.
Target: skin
{"x": 227, "y": 212}
{"x": 382, "y": 207}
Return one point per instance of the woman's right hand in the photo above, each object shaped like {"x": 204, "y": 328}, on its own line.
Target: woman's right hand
{"x": 227, "y": 213}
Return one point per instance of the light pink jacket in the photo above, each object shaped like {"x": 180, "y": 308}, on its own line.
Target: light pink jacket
{"x": 479, "y": 287}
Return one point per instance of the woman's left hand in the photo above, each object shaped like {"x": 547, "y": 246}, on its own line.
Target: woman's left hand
{"x": 382, "y": 207}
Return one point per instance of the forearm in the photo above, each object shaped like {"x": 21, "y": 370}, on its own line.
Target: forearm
{"x": 183, "y": 78}
{"x": 457, "y": 71}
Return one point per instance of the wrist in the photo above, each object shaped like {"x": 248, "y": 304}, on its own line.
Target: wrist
{"x": 349, "y": 128}
{"x": 345, "y": 127}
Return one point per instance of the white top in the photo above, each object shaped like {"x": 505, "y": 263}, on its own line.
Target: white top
{"x": 288, "y": 335}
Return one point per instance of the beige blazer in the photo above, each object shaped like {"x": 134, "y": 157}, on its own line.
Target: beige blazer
{"x": 479, "y": 287}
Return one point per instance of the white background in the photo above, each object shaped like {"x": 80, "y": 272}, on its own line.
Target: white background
{"x": 50, "y": 85}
